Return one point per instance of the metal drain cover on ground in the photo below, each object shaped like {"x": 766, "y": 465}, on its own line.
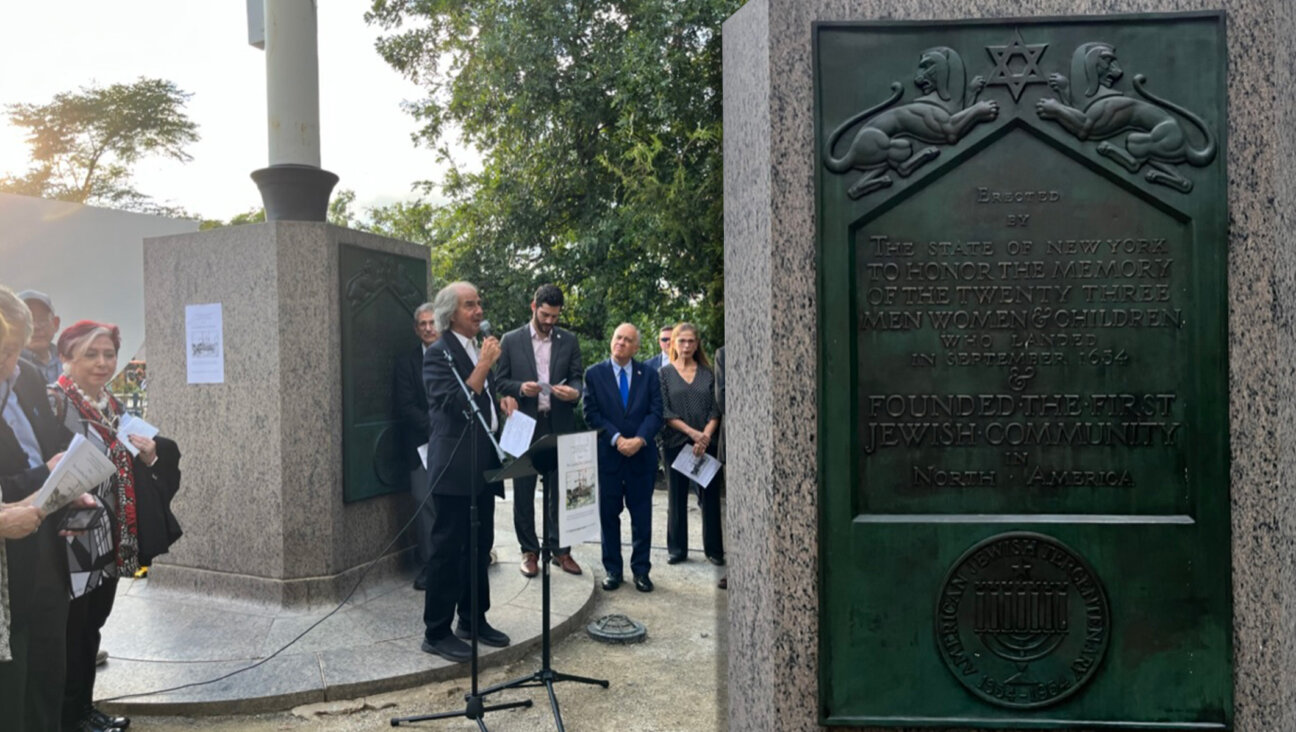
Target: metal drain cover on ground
{"x": 616, "y": 629}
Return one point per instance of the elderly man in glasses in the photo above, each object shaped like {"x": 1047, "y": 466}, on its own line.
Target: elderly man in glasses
{"x": 40, "y": 350}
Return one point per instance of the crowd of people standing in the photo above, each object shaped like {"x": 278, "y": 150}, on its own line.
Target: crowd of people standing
{"x": 59, "y": 571}
{"x": 641, "y": 411}
{"x": 60, "y": 566}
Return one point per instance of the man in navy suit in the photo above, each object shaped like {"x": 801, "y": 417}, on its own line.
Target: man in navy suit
{"x": 623, "y": 402}
{"x": 459, "y": 453}
{"x": 411, "y": 411}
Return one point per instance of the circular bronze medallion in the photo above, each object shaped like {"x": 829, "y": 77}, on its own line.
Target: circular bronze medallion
{"x": 1022, "y": 620}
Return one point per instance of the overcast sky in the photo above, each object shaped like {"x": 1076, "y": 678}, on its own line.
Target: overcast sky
{"x": 201, "y": 45}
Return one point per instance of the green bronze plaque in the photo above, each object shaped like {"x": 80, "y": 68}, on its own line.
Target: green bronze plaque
{"x": 1022, "y": 232}
{"x": 379, "y": 293}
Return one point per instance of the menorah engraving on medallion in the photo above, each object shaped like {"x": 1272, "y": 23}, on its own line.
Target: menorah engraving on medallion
{"x": 1019, "y": 620}
{"x": 1022, "y": 620}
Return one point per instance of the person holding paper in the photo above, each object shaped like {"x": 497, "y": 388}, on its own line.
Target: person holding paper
{"x": 459, "y": 453}
{"x": 409, "y": 401}
{"x": 540, "y": 366}
{"x": 692, "y": 417}
{"x": 31, "y": 444}
{"x": 145, "y": 480}
{"x": 623, "y": 402}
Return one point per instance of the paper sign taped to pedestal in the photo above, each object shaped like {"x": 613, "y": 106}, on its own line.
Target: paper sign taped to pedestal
{"x": 204, "y": 344}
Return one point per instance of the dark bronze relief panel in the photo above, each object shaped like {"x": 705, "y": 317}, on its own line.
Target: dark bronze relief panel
{"x": 379, "y": 293}
{"x": 1022, "y": 231}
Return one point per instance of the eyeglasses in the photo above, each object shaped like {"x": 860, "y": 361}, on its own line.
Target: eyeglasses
{"x": 664, "y": 340}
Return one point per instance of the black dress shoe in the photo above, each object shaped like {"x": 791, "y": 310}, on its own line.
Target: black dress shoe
{"x": 676, "y": 558}
{"x": 448, "y": 647}
{"x": 611, "y": 582}
{"x": 717, "y": 561}
{"x": 420, "y": 583}
{"x": 643, "y": 584}
{"x": 486, "y": 635}
{"x": 89, "y": 726}
{"x": 104, "y": 721}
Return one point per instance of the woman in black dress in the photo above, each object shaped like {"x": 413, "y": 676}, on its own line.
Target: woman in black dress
{"x": 692, "y": 417}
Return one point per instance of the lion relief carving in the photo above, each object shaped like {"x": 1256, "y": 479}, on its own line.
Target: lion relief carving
{"x": 1156, "y": 138}
{"x": 945, "y": 111}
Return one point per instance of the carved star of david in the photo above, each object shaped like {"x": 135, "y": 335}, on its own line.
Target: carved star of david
{"x": 1016, "y": 81}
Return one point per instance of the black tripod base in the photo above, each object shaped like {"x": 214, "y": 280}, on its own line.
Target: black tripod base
{"x": 546, "y": 678}
{"x": 475, "y": 710}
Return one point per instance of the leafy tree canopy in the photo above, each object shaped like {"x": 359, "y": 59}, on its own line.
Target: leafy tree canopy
{"x": 599, "y": 126}
{"x": 83, "y": 144}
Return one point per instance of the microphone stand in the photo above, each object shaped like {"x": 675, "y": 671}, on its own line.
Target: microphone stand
{"x": 475, "y": 707}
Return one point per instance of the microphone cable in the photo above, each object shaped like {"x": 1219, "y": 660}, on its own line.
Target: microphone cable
{"x": 331, "y": 613}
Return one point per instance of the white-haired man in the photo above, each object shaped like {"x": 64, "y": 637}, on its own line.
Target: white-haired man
{"x": 459, "y": 453}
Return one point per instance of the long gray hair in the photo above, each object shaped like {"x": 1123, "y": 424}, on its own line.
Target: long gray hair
{"x": 445, "y": 302}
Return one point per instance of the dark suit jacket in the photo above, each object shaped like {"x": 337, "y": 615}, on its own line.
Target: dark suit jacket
{"x": 464, "y": 460}
{"x": 155, "y": 488}
{"x": 517, "y": 364}
{"x": 17, "y": 481}
{"x": 41, "y": 557}
{"x": 642, "y": 417}
{"x": 656, "y": 362}
{"x": 410, "y": 408}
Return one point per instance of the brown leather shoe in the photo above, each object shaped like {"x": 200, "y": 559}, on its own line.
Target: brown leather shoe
{"x": 530, "y": 566}
{"x": 568, "y": 564}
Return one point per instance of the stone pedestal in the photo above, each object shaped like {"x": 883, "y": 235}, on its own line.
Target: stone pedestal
{"x": 261, "y": 501}
{"x": 773, "y": 349}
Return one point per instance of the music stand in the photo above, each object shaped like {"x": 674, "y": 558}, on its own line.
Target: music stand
{"x": 542, "y": 457}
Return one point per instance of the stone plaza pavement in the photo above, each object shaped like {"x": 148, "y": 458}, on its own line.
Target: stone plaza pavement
{"x": 370, "y": 648}
{"x": 158, "y": 639}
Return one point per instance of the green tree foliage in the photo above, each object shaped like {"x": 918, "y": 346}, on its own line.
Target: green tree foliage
{"x": 598, "y": 123}
{"x": 254, "y": 216}
{"x": 83, "y": 144}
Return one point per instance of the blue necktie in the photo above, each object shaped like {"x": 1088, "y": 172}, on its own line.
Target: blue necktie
{"x": 625, "y": 390}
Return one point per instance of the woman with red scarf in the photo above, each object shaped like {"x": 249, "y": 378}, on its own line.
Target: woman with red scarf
{"x": 127, "y": 536}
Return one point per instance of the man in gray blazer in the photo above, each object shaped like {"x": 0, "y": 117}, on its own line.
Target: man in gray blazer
{"x": 540, "y": 366}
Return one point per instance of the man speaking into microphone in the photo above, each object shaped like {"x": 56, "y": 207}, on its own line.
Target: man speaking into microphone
{"x": 459, "y": 452}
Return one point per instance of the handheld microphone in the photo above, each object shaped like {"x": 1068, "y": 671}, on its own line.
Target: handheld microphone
{"x": 484, "y": 330}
